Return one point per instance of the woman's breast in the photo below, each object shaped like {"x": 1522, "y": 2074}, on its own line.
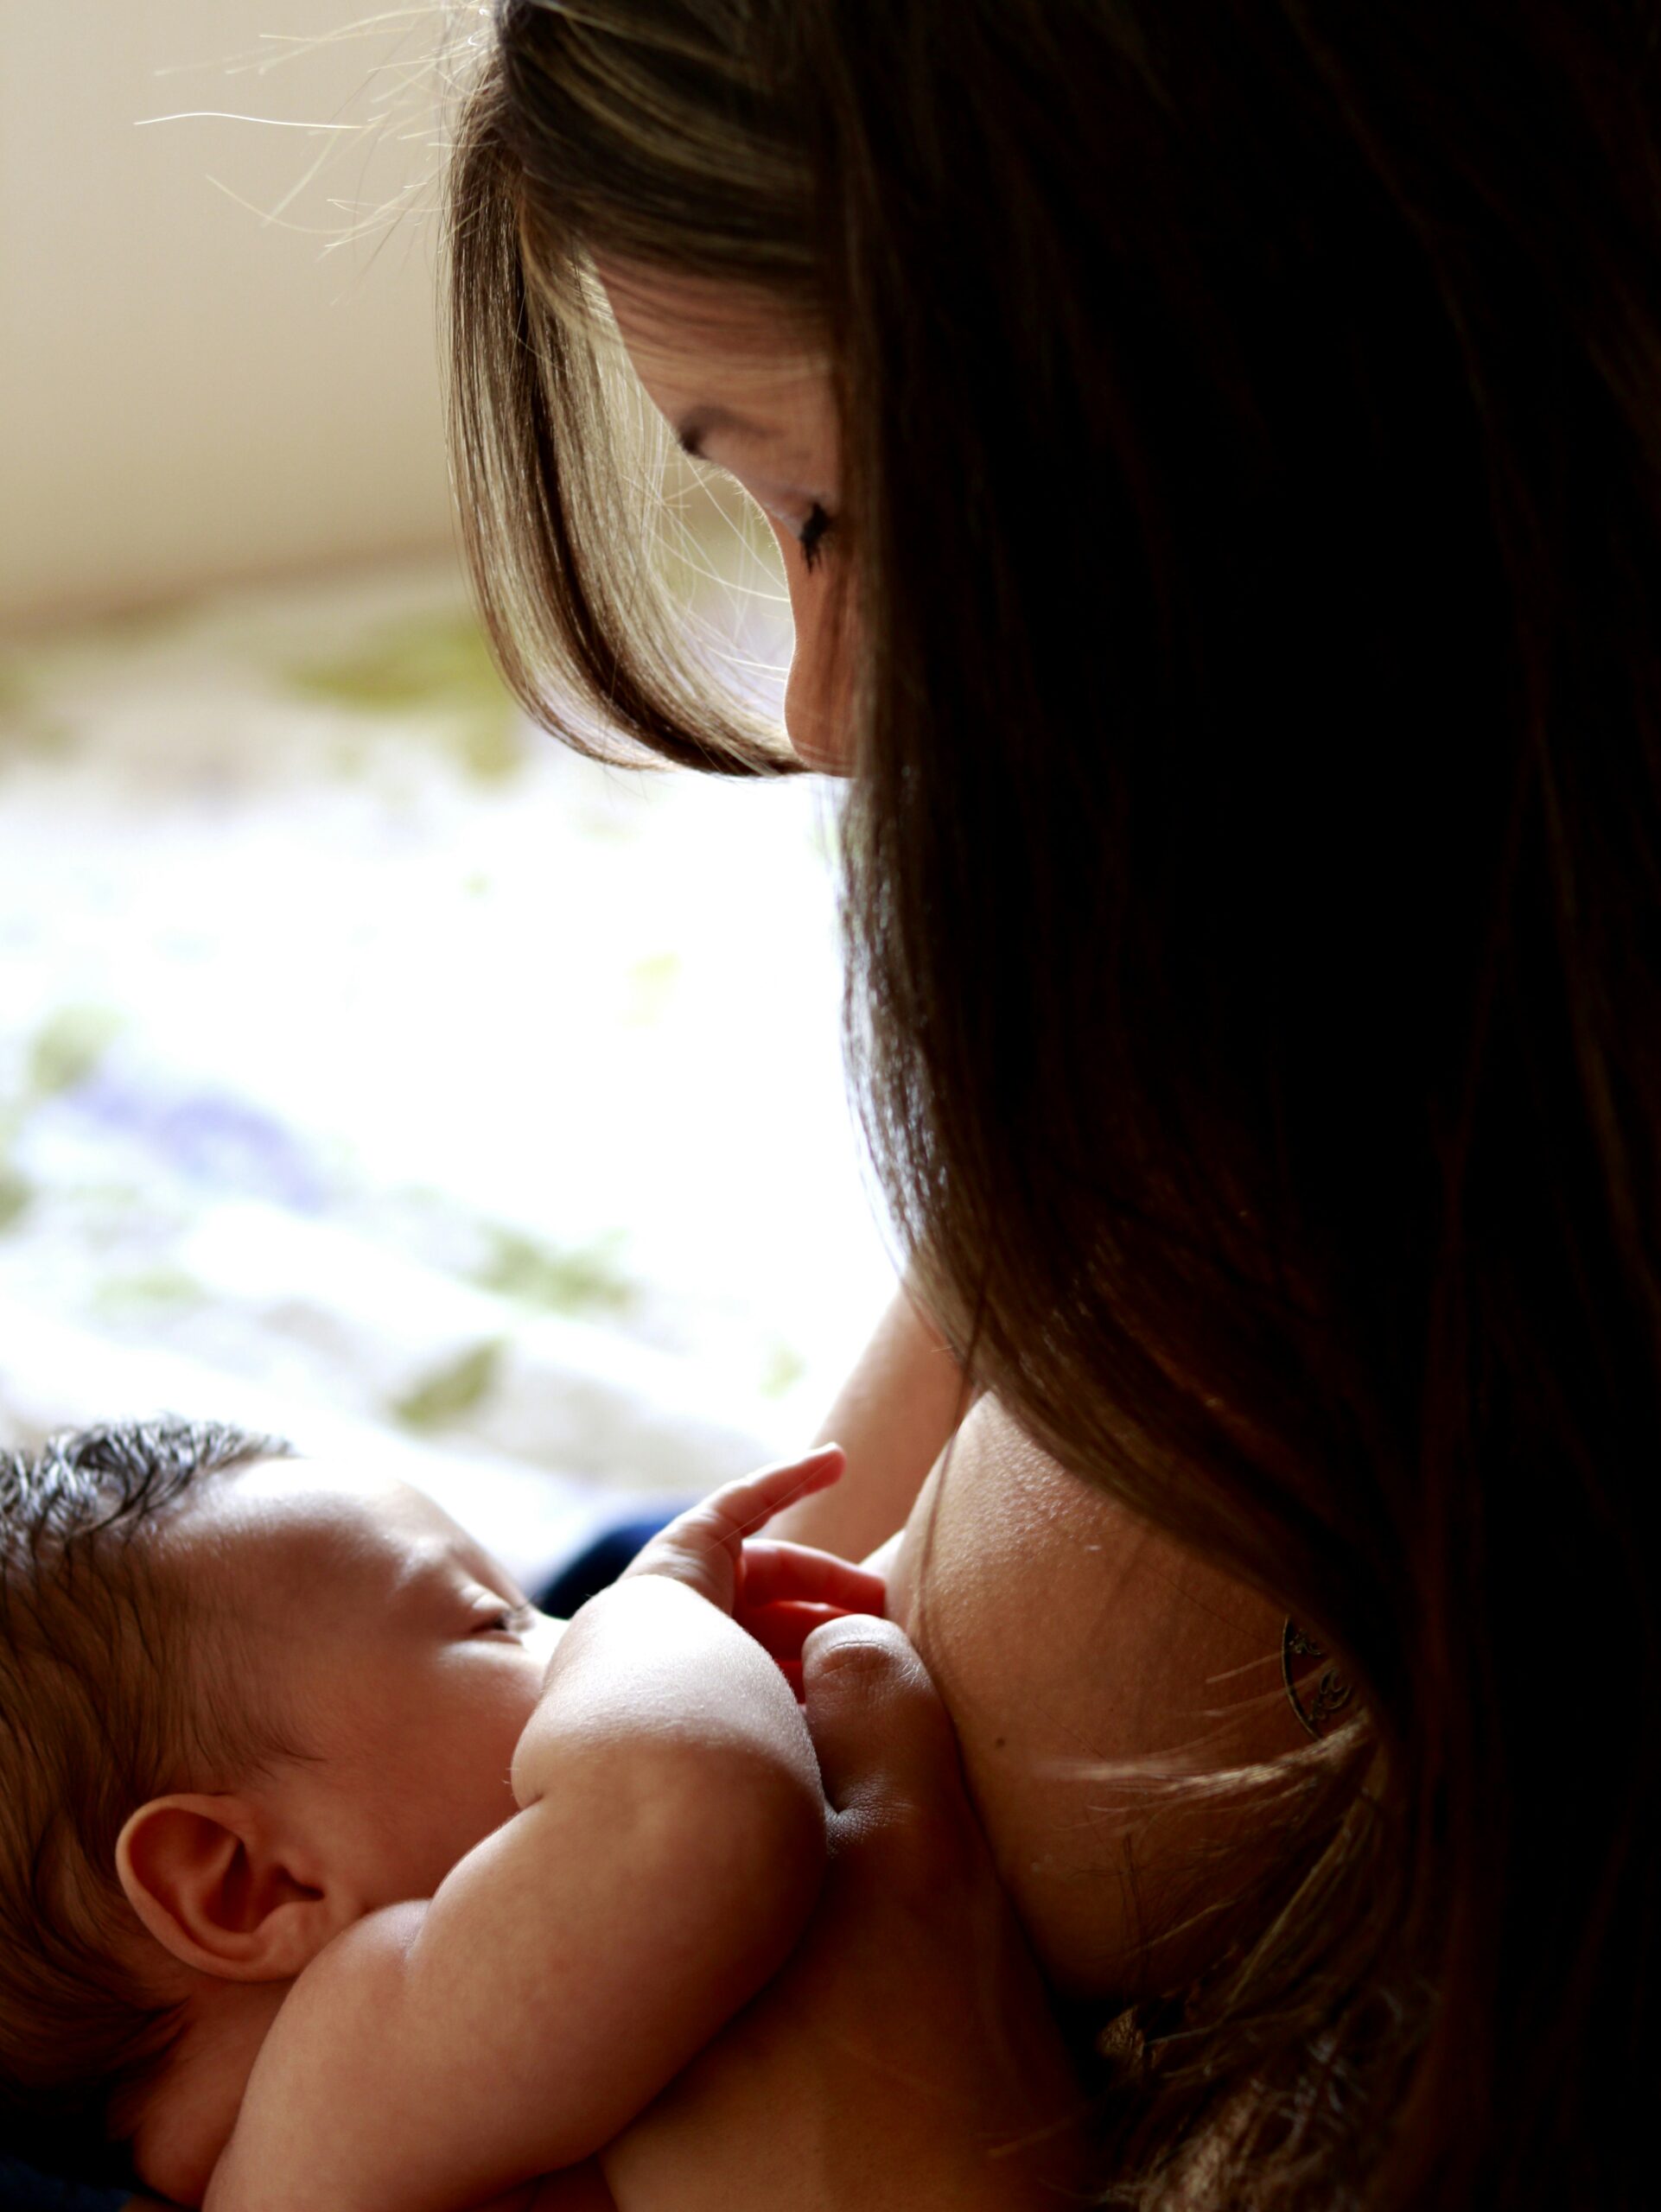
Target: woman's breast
{"x": 1083, "y": 1659}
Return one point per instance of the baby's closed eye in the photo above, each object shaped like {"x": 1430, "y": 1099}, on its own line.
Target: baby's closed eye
{"x": 500, "y": 1618}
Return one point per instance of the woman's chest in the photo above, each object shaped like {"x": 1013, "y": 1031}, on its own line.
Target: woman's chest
{"x": 578, "y": 2189}
{"x": 1085, "y": 1661}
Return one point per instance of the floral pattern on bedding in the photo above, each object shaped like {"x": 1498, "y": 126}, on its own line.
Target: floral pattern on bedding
{"x": 363, "y": 1051}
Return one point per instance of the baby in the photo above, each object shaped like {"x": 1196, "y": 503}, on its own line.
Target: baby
{"x": 334, "y": 1876}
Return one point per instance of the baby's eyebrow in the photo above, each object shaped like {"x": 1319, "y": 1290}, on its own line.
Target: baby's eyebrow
{"x": 488, "y": 1573}
{"x": 431, "y": 1563}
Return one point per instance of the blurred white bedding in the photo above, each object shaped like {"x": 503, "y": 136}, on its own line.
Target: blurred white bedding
{"x": 371, "y": 1069}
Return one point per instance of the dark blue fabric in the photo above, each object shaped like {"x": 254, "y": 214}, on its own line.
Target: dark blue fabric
{"x": 598, "y": 1564}
{"x": 23, "y": 2191}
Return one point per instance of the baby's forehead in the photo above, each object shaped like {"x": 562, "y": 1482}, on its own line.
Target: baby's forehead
{"x": 313, "y": 1523}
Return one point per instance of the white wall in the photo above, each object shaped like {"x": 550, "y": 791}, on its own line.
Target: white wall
{"x": 188, "y": 393}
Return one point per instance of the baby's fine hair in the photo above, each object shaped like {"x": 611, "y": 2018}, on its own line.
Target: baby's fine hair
{"x": 111, "y": 1679}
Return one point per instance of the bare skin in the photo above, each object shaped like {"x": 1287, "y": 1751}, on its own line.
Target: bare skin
{"x": 905, "y": 2044}
{"x": 758, "y": 405}
{"x": 1075, "y": 1650}
{"x": 830, "y": 2083}
{"x": 442, "y": 1954}
{"x": 1067, "y": 1643}
{"x": 1067, "y": 1640}
{"x": 1065, "y": 1636}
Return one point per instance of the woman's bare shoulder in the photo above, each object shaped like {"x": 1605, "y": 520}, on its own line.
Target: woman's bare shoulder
{"x": 1086, "y": 1660}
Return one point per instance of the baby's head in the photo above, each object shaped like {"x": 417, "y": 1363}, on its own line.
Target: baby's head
{"x": 243, "y": 1700}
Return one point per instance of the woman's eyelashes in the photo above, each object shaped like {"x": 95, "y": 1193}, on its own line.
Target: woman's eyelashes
{"x": 809, "y": 533}
{"x": 812, "y": 534}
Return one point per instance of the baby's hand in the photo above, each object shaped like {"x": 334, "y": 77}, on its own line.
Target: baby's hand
{"x": 778, "y": 1591}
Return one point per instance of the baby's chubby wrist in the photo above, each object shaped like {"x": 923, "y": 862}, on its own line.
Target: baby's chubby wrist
{"x": 667, "y": 1743}
{"x": 690, "y": 1665}
{"x": 650, "y": 1672}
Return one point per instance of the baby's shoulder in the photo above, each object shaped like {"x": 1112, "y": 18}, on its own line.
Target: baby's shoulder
{"x": 310, "y": 2090}
{"x": 347, "y": 1988}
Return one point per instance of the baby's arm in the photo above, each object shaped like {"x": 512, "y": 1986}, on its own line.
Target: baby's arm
{"x": 669, "y": 1847}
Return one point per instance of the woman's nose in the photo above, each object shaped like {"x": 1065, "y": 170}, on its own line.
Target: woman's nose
{"x": 818, "y": 694}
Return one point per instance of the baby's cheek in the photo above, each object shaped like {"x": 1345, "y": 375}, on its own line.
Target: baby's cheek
{"x": 490, "y": 1745}
{"x": 456, "y": 1791}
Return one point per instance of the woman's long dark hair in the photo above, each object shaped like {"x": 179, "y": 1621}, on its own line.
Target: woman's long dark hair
{"x": 1252, "y": 421}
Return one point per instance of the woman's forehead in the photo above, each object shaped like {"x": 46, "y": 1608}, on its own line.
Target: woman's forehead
{"x": 708, "y": 321}
{"x": 729, "y": 356}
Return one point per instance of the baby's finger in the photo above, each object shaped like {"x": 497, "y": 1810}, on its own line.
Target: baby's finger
{"x": 702, "y": 1546}
{"x": 748, "y": 1503}
{"x": 774, "y": 1569}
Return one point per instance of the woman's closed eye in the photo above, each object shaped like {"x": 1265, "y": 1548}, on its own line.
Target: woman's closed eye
{"x": 810, "y": 532}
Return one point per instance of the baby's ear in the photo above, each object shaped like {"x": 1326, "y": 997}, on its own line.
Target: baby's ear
{"x": 214, "y": 1888}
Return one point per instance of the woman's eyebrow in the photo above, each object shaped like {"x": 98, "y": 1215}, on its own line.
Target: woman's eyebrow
{"x": 694, "y": 426}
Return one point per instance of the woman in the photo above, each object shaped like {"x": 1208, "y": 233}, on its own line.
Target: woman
{"x": 1215, "y": 449}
